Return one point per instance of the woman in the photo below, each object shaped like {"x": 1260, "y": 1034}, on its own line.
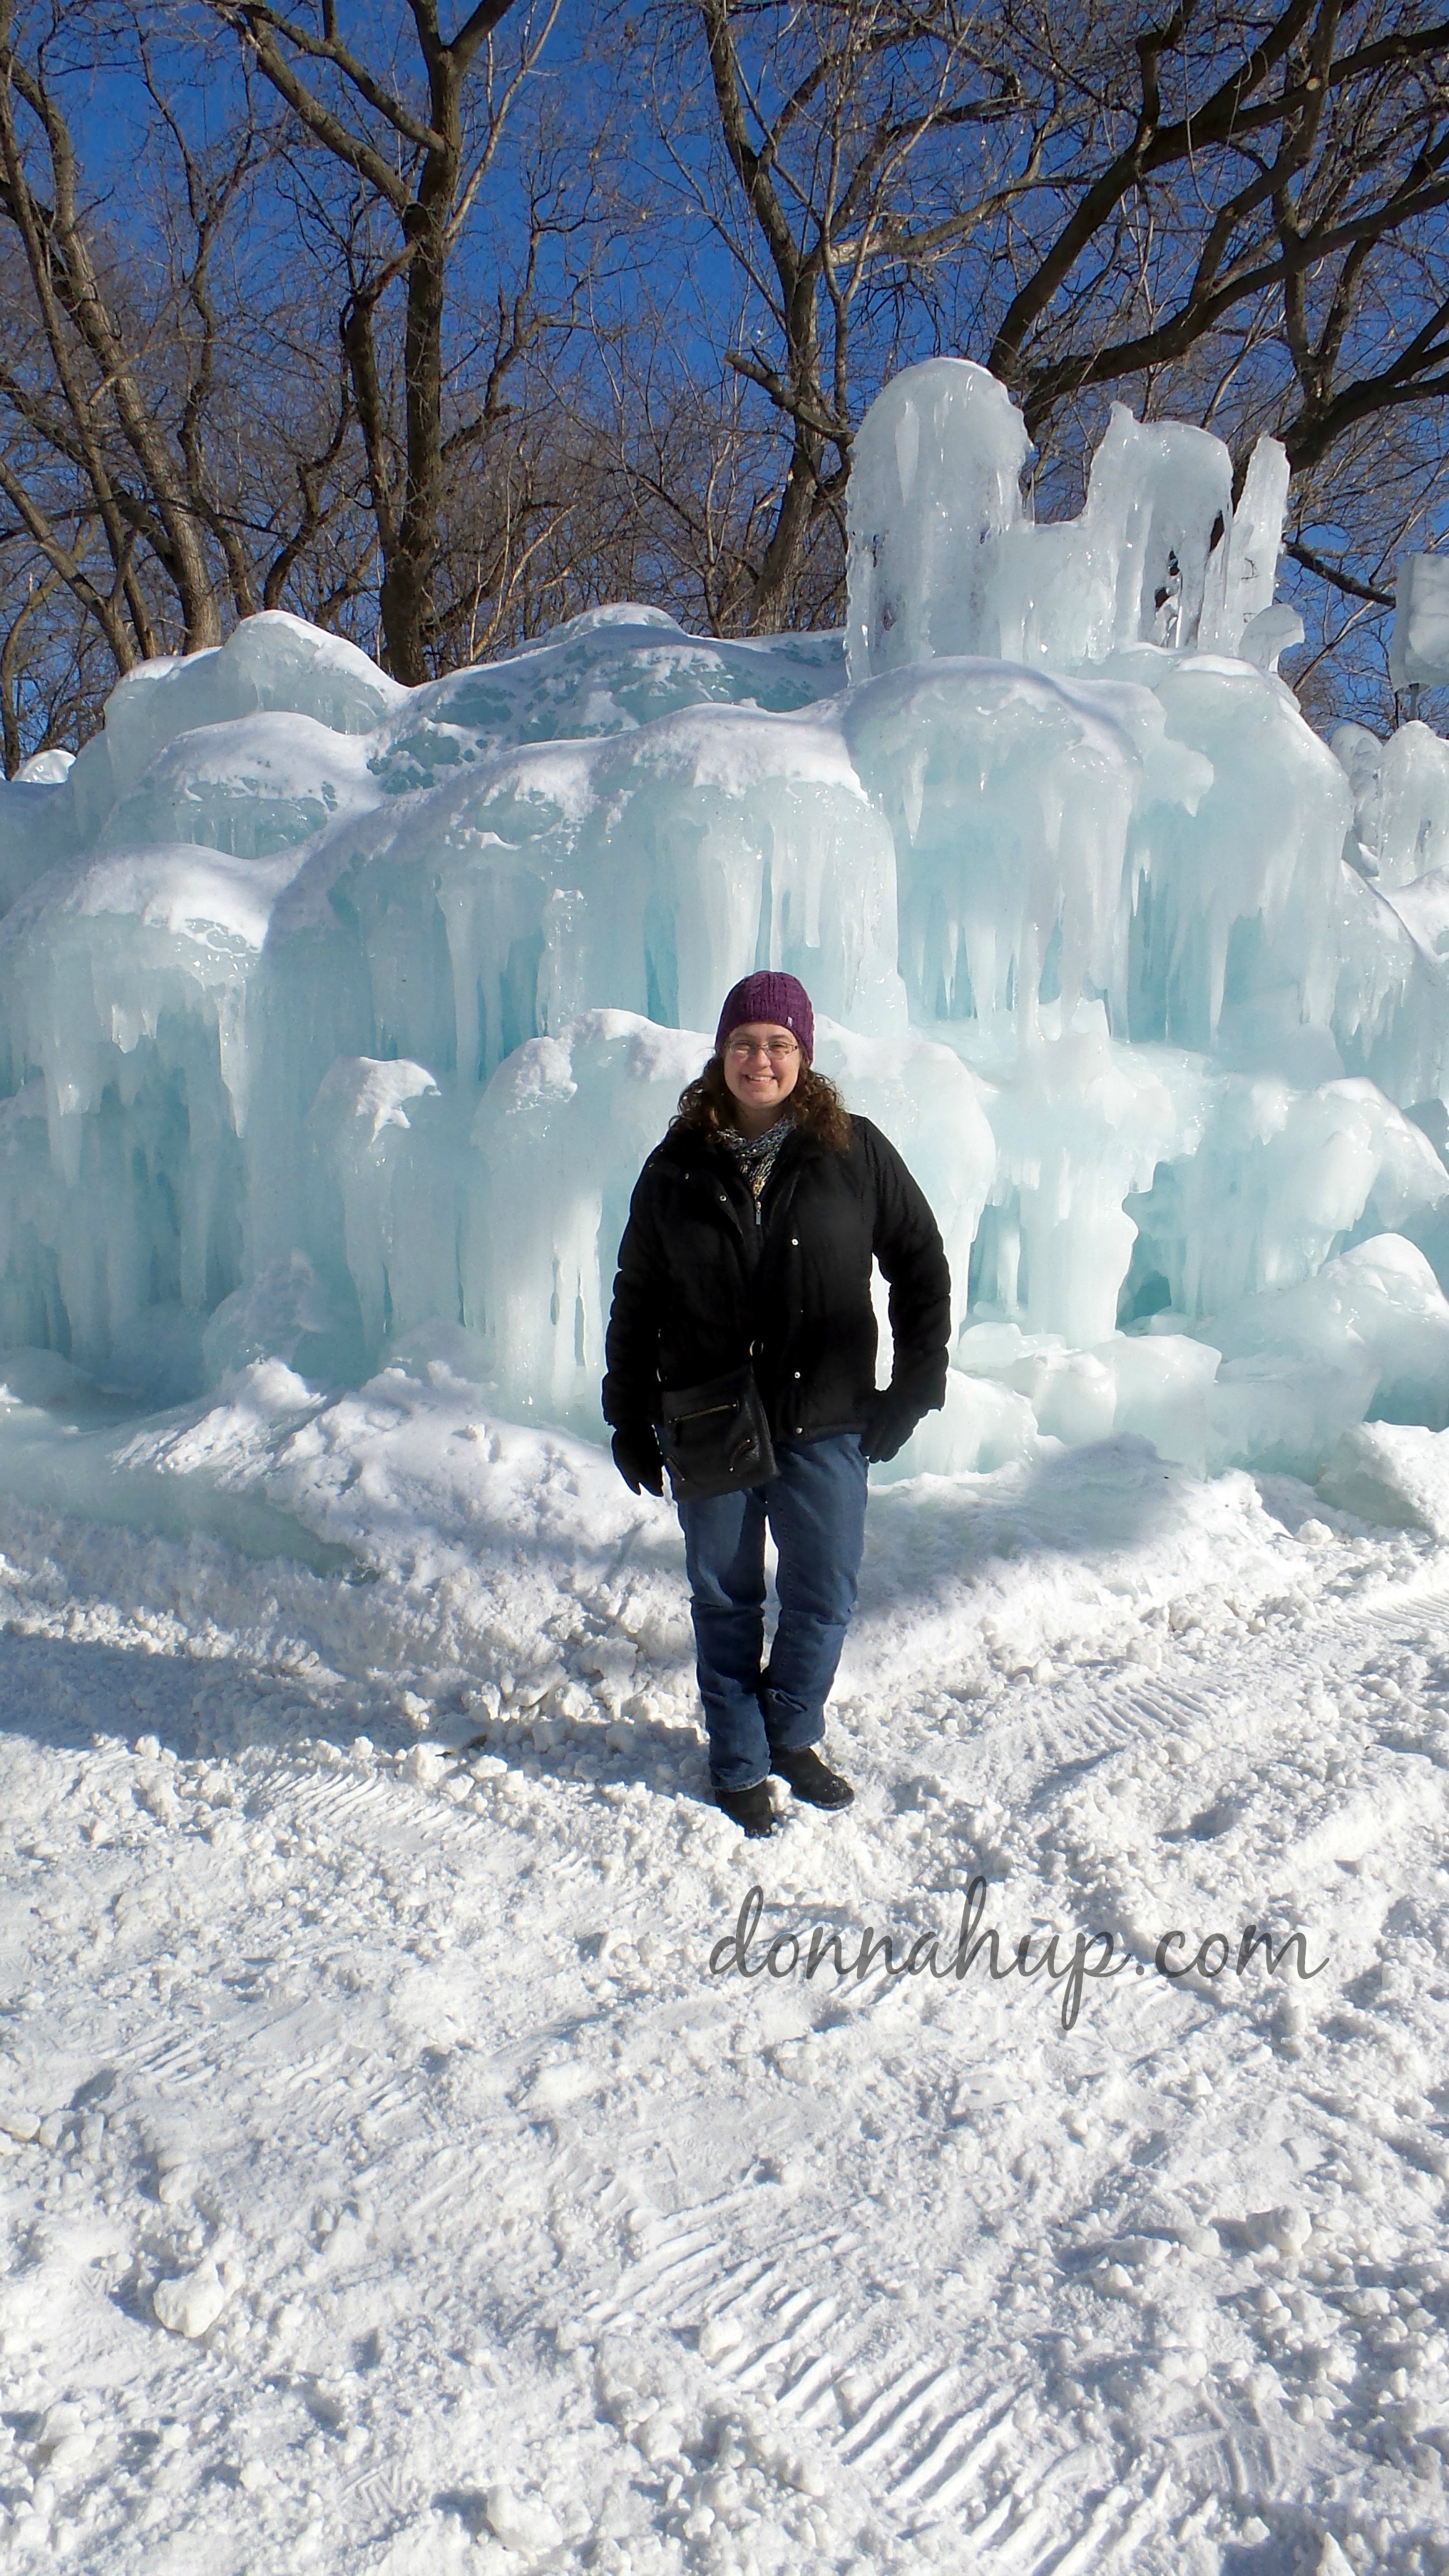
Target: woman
{"x": 750, "y": 1239}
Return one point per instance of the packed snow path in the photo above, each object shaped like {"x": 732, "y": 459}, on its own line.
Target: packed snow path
{"x": 389, "y": 2184}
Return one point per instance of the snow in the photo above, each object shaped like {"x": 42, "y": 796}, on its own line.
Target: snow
{"x": 421, "y": 2143}
{"x": 391, "y": 2182}
{"x": 45, "y": 768}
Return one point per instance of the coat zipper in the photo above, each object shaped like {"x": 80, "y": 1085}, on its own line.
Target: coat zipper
{"x": 779, "y": 1210}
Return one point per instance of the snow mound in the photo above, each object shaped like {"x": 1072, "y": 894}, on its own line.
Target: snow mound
{"x": 1392, "y": 1473}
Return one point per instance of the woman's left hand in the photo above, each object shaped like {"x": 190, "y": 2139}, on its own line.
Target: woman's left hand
{"x": 893, "y": 1417}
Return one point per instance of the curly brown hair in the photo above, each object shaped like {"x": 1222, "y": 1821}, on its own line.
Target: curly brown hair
{"x": 707, "y": 1105}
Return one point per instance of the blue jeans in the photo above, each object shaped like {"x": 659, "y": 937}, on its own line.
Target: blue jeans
{"x": 815, "y": 1508}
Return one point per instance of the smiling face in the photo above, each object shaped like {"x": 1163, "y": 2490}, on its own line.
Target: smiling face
{"x": 761, "y": 1068}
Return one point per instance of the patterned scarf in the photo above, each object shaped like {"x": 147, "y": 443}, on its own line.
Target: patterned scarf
{"x": 758, "y": 1155}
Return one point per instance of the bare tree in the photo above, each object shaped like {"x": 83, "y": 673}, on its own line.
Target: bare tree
{"x": 223, "y": 398}
{"x": 130, "y": 452}
{"x": 92, "y": 382}
{"x": 1236, "y": 160}
{"x": 364, "y": 333}
{"x": 414, "y": 154}
{"x": 1235, "y": 212}
{"x": 838, "y": 150}
{"x": 1249, "y": 231}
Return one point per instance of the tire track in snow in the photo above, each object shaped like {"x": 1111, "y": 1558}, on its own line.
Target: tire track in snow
{"x": 928, "y": 2462}
{"x": 883, "y": 2394}
{"x": 919, "y": 2453}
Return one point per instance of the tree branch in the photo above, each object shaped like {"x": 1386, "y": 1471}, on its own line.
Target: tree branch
{"x": 1344, "y": 581}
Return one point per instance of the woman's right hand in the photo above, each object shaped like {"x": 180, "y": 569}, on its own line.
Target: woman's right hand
{"x": 636, "y": 1455}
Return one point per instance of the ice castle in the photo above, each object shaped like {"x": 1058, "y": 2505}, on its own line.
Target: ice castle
{"x": 329, "y": 1007}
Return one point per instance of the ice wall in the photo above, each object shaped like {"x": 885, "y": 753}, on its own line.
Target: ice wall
{"x": 328, "y": 1007}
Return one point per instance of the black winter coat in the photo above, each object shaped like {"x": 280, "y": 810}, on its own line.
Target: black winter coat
{"x": 705, "y": 1283}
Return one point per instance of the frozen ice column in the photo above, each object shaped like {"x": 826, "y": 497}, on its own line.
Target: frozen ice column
{"x": 935, "y": 483}
{"x": 945, "y": 558}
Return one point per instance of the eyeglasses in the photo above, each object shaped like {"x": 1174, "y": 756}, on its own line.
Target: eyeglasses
{"x": 779, "y": 1050}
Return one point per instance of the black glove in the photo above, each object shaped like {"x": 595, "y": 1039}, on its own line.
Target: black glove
{"x": 636, "y": 1455}
{"x": 889, "y": 1424}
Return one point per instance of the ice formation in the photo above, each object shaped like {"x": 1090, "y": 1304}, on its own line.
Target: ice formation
{"x": 1419, "y": 652}
{"x": 330, "y": 1008}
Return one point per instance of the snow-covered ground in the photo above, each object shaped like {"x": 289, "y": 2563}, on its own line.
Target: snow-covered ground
{"x": 390, "y": 2182}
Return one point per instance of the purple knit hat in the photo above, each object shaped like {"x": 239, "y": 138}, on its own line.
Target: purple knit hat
{"x": 769, "y": 996}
